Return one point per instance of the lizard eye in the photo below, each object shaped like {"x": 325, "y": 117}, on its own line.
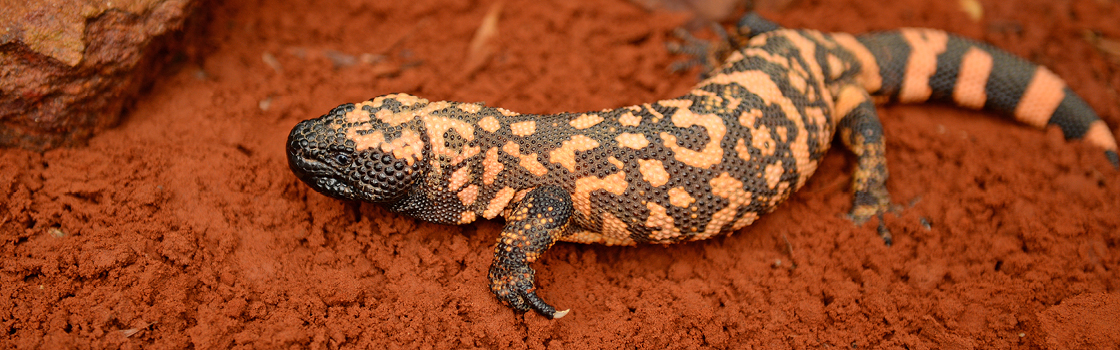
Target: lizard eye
{"x": 342, "y": 158}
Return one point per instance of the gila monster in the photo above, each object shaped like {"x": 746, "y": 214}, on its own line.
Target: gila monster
{"x": 680, "y": 169}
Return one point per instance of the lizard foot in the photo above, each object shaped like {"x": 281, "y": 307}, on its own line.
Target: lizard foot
{"x": 706, "y": 54}
{"x": 515, "y": 286}
{"x": 861, "y": 213}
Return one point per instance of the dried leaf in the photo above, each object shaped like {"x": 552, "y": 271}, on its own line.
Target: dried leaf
{"x": 1110, "y": 47}
{"x": 973, "y": 9}
{"x": 340, "y": 59}
{"x": 272, "y": 62}
{"x": 132, "y": 331}
{"x": 480, "y": 49}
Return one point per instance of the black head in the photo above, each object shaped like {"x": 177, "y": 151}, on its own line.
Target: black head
{"x": 374, "y": 151}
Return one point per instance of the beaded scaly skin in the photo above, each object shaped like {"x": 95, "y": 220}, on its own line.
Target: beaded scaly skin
{"x": 681, "y": 169}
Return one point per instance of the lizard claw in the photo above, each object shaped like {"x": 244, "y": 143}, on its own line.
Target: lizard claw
{"x": 516, "y": 286}
{"x": 861, "y": 213}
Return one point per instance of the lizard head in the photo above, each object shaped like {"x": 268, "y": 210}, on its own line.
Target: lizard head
{"x": 372, "y": 151}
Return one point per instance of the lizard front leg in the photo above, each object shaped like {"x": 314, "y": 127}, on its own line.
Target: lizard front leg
{"x": 535, "y": 223}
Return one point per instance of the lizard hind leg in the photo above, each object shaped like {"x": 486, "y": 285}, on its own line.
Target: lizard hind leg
{"x": 710, "y": 55}
{"x": 534, "y": 225}
{"x": 752, "y": 24}
{"x": 861, "y": 132}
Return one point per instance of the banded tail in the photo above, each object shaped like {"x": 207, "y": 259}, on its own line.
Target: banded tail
{"x": 916, "y": 65}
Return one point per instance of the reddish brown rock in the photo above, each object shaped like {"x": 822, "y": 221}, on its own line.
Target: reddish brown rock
{"x": 68, "y": 67}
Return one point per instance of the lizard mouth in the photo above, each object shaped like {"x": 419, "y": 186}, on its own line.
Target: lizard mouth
{"x": 321, "y": 177}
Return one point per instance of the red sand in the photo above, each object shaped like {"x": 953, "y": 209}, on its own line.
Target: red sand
{"x": 184, "y": 227}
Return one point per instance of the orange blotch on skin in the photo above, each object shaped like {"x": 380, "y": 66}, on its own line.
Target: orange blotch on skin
{"x": 586, "y": 120}
{"x": 581, "y": 197}
{"x": 657, "y": 116}
{"x": 742, "y": 149}
{"x": 1099, "y": 135}
{"x": 682, "y": 103}
{"x": 747, "y": 219}
{"x": 731, "y": 189}
{"x": 590, "y": 237}
{"x": 507, "y": 112}
{"x": 969, "y": 90}
{"x": 615, "y": 230}
{"x": 527, "y": 161}
{"x": 491, "y": 166}
{"x": 823, "y": 134}
{"x": 617, "y": 163}
{"x": 390, "y": 118}
{"x": 761, "y": 53}
{"x": 469, "y": 151}
{"x": 470, "y": 107}
{"x": 468, "y": 195}
{"x": 763, "y": 141}
{"x": 849, "y": 97}
{"x": 632, "y": 140}
{"x": 660, "y": 220}
{"x": 565, "y": 155}
{"x": 868, "y": 76}
{"x": 773, "y": 174}
{"x": 761, "y": 84}
{"x": 524, "y": 128}
{"x": 489, "y": 123}
{"x": 1043, "y": 95}
{"x": 459, "y": 177}
{"x": 376, "y": 102}
{"x": 653, "y": 171}
{"x": 467, "y": 217}
{"x": 498, "y": 203}
{"x": 808, "y": 50}
{"x": 783, "y": 192}
{"x": 712, "y": 153}
{"x": 358, "y": 115}
{"x": 783, "y": 133}
{"x": 404, "y": 99}
{"x": 629, "y": 119}
{"x": 717, "y": 101}
{"x": 798, "y": 83}
{"x": 835, "y": 66}
{"x": 680, "y": 197}
{"x": 925, "y": 45}
{"x": 409, "y": 146}
{"x": 750, "y": 117}
{"x": 512, "y": 148}
{"x": 437, "y": 126}
{"x": 386, "y": 116}
{"x": 367, "y": 141}
{"x": 820, "y": 38}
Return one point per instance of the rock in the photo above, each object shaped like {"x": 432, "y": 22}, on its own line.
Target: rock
{"x": 69, "y": 67}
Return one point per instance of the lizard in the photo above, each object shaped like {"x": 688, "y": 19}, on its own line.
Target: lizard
{"x": 680, "y": 169}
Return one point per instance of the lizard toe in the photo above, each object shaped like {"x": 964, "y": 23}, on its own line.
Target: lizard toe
{"x": 516, "y": 287}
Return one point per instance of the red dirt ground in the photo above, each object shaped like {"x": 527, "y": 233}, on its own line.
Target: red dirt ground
{"x": 184, "y": 227}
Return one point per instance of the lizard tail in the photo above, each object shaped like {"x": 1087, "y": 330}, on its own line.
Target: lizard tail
{"x": 916, "y": 65}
